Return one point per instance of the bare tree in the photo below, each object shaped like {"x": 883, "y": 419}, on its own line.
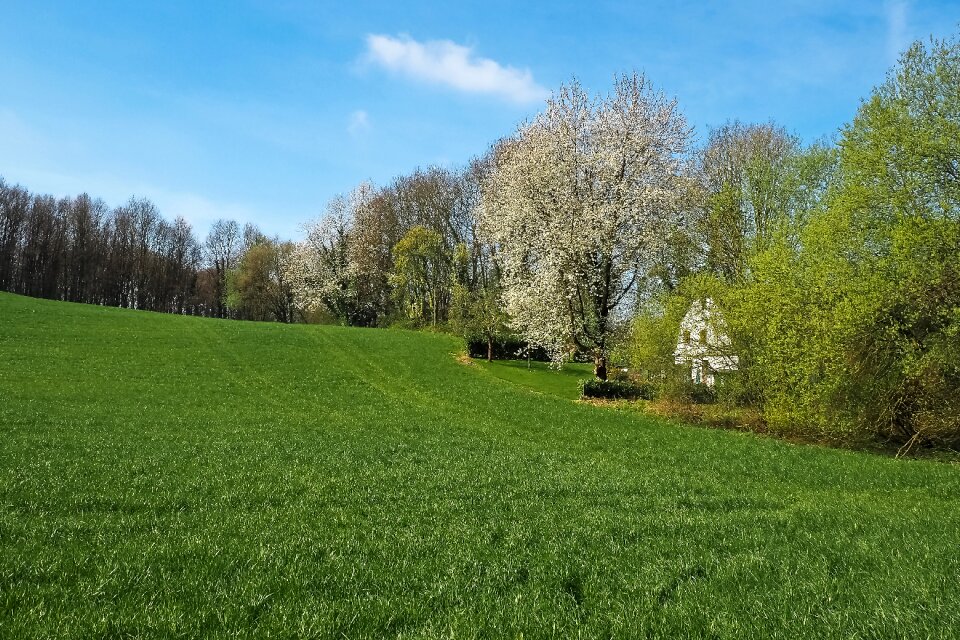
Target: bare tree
{"x": 747, "y": 179}
{"x": 222, "y": 251}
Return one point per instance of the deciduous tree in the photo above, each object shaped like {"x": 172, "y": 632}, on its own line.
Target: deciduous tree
{"x": 422, "y": 275}
{"x": 579, "y": 204}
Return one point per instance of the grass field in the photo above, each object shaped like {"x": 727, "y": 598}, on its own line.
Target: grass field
{"x": 540, "y": 377}
{"x": 166, "y": 476}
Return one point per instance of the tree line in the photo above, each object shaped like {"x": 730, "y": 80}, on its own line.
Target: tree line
{"x": 408, "y": 253}
{"x": 78, "y": 249}
{"x": 588, "y": 232}
{"x": 81, "y": 250}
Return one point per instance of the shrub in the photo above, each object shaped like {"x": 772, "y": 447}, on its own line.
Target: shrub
{"x": 616, "y": 390}
{"x": 732, "y": 390}
{"x": 682, "y": 389}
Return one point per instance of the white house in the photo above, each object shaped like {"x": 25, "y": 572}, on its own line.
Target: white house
{"x": 702, "y": 345}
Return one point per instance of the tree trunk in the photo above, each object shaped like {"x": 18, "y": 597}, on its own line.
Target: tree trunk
{"x": 489, "y": 348}
{"x": 600, "y": 367}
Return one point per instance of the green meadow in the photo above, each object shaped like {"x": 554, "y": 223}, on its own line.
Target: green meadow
{"x": 165, "y": 476}
{"x": 540, "y": 376}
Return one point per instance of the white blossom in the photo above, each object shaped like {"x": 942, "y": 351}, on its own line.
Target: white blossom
{"x": 578, "y": 202}
{"x": 322, "y": 267}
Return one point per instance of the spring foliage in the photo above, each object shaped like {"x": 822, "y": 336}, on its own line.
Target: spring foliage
{"x": 847, "y": 314}
{"x": 838, "y": 268}
{"x": 869, "y": 300}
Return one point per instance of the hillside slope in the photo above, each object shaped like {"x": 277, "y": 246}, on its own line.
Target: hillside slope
{"x": 165, "y": 475}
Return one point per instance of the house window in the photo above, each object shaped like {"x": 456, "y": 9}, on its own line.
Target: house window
{"x": 703, "y": 336}
{"x": 686, "y": 336}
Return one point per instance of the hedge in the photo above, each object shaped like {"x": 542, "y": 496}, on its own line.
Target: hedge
{"x": 615, "y": 390}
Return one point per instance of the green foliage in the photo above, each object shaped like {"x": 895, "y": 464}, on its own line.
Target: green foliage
{"x": 478, "y": 317}
{"x": 616, "y": 389}
{"x": 777, "y": 313}
{"x": 902, "y": 160}
{"x": 422, "y": 275}
{"x": 256, "y": 289}
{"x": 850, "y": 317}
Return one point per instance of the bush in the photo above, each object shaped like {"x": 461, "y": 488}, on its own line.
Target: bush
{"x": 616, "y": 390}
{"x": 685, "y": 390}
{"x": 733, "y": 390}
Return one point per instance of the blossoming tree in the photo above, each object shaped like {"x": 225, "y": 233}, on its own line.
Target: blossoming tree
{"x": 577, "y": 205}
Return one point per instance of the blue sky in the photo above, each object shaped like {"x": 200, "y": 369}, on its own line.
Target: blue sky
{"x": 262, "y": 111}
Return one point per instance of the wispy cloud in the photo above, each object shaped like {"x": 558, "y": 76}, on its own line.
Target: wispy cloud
{"x": 897, "y": 28}
{"x": 359, "y": 123}
{"x": 447, "y": 63}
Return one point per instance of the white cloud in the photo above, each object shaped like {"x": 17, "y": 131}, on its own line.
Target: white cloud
{"x": 359, "y": 123}
{"x": 453, "y": 65}
{"x": 897, "y": 37}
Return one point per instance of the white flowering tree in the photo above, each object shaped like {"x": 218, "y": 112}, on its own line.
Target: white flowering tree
{"x": 319, "y": 266}
{"x": 578, "y": 204}
{"x": 323, "y": 269}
